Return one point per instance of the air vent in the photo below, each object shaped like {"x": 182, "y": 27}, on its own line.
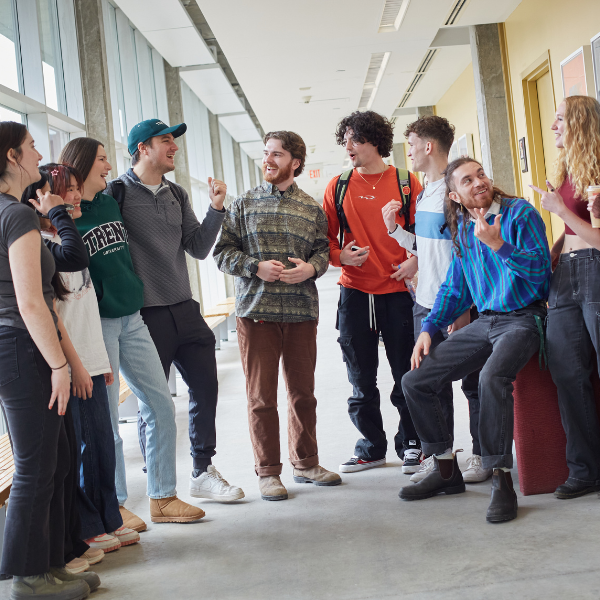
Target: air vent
{"x": 394, "y": 12}
{"x": 425, "y": 64}
{"x": 456, "y": 12}
{"x": 375, "y": 72}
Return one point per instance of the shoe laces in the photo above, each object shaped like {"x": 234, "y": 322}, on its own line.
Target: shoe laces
{"x": 412, "y": 453}
{"x": 474, "y": 462}
{"x": 214, "y": 474}
{"x": 427, "y": 465}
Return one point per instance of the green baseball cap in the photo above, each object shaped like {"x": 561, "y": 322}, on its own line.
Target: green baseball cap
{"x": 151, "y": 128}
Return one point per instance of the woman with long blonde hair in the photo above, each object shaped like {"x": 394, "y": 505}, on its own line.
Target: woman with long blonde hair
{"x": 573, "y": 330}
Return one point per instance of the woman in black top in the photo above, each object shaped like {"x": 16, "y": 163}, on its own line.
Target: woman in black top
{"x": 34, "y": 384}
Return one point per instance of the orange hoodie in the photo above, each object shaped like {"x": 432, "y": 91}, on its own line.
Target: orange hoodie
{"x": 362, "y": 207}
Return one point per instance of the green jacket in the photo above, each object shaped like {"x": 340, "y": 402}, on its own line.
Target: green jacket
{"x": 120, "y": 291}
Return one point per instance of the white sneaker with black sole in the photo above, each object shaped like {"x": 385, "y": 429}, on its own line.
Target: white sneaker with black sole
{"x": 412, "y": 460}
{"x": 358, "y": 464}
{"x": 211, "y": 484}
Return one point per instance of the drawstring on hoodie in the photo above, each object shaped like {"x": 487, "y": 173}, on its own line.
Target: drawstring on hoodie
{"x": 372, "y": 316}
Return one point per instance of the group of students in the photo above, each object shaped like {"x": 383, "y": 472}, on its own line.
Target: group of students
{"x": 107, "y": 292}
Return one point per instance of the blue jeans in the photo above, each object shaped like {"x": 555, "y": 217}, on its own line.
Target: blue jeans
{"x": 499, "y": 344}
{"x": 99, "y": 507}
{"x": 131, "y": 350}
{"x": 573, "y": 333}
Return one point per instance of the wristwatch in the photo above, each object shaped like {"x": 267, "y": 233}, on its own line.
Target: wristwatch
{"x": 253, "y": 268}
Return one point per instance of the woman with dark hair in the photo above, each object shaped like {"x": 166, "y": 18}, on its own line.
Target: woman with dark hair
{"x": 572, "y": 328}
{"x": 34, "y": 386}
{"x": 128, "y": 343}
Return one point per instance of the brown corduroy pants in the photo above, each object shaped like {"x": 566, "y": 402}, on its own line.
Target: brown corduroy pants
{"x": 262, "y": 346}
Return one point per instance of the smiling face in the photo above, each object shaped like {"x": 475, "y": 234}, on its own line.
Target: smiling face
{"x": 96, "y": 180}
{"x": 559, "y": 125}
{"x": 25, "y": 163}
{"x": 159, "y": 154}
{"x": 472, "y": 187}
{"x": 360, "y": 153}
{"x": 278, "y": 165}
{"x": 73, "y": 196}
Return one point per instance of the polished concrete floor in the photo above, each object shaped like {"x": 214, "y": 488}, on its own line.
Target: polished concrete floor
{"x": 354, "y": 541}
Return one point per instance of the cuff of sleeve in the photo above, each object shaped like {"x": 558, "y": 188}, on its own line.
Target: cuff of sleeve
{"x": 220, "y": 212}
{"x": 334, "y": 258}
{"x": 56, "y": 210}
{"x": 394, "y": 233}
{"x": 430, "y": 328}
{"x": 505, "y": 251}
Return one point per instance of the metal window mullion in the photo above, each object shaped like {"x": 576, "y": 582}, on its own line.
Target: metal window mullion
{"x": 70, "y": 60}
{"x": 30, "y": 50}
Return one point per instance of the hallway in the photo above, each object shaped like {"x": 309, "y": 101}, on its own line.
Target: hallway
{"x": 351, "y": 542}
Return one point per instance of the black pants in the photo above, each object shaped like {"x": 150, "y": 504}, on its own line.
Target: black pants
{"x": 359, "y": 340}
{"x": 182, "y": 337}
{"x": 34, "y": 536}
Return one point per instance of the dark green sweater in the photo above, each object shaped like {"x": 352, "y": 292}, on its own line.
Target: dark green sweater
{"x": 120, "y": 291}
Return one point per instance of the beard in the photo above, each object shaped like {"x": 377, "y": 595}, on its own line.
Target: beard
{"x": 283, "y": 174}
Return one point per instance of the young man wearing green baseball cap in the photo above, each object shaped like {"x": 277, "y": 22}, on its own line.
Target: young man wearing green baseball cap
{"x": 162, "y": 227}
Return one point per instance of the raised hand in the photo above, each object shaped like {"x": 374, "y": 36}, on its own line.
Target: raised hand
{"x": 217, "y": 190}
{"x": 551, "y": 199}
{"x": 46, "y": 202}
{"x": 389, "y": 212}
{"x": 490, "y": 235}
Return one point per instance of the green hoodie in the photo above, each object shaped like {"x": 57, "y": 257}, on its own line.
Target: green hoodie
{"x": 120, "y": 291}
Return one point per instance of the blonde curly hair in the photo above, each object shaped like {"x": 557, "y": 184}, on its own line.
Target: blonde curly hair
{"x": 580, "y": 157}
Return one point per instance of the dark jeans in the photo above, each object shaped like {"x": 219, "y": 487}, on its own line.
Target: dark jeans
{"x": 359, "y": 341}
{"x": 34, "y": 535}
{"x": 98, "y": 504}
{"x": 470, "y": 383}
{"x": 573, "y": 331}
{"x": 498, "y": 344}
{"x": 182, "y": 337}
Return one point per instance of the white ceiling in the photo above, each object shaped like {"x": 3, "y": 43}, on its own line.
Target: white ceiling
{"x": 275, "y": 49}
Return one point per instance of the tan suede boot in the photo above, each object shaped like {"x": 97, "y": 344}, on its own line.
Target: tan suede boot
{"x": 271, "y": 488}
{"x": 173, "y": 510}
{"x": 131, "y": 521}
{"x": 317, "y": 475}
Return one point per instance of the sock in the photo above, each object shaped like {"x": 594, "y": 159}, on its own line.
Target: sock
{"x": 447, "y": 455}
{"x": 504, "y": 469}
{"x": 198, "y": 472}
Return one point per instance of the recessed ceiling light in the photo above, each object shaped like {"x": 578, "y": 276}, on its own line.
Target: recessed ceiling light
{"x": 305, "y": 88}
{"x": 341, "y": 71}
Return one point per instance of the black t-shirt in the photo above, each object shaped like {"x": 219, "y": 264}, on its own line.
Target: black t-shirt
{"x": 16, "y": 220}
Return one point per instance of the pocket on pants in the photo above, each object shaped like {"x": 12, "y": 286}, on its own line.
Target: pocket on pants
{"x": 9, "y": 365}
{"x": 349, "y": 353}
{"x": 554, "y": 287}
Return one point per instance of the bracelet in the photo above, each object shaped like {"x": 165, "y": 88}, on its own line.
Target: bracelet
{"x": 62, "y": 367}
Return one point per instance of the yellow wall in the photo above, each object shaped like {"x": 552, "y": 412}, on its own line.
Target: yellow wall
{"x": 539, "y": 26}
{"x": 459, "y": 106}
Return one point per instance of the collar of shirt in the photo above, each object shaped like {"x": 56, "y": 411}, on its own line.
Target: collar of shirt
{"x": 494, "y": 209}
{"x": 270, "y": 188}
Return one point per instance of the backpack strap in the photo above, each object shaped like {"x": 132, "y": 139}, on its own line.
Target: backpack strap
{"x": 405, "y": 191}
{"x": 116, "y": 189}
{"x": 340, "y": 191}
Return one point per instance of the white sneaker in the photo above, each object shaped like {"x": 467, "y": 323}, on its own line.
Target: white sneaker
{"x": 426, "y": 468}
{"x": 126, "y": 536}
{"x": 210, "y": 484}
{"x": 475, "y": 473}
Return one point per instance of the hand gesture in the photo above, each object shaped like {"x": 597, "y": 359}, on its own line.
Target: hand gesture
{"x": 46, "y": 202}
{"x": 406, "y": 270}
{"x": 490, "y": 235}
{"x": 298, "y": 274}
{"x": 551, "y": 200}
{"x": 270, "y": 270}
{"x": 61, "y": 390}
{"x": 354, "y": 258}
{"x": 421, "y": 349}
{"x": 389, "y": 212}
{"x": 217, "y": 190}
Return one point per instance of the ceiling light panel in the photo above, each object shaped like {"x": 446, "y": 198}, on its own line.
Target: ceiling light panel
{"x": 213, "y": 88}
{"x": 425, "y": 64}
{"x": 377, "y": 65}
{"x": 394, "y": 12}
{"x": 240, "y": 127}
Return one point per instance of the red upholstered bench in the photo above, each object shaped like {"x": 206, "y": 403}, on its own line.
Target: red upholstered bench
{"x": 539, "y": 436}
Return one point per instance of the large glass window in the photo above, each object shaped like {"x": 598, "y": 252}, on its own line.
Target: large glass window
{"x": 9, "y": 47}
{"x": 58, "y": 140}
{"x": 54, "y": 86}
{"x": 7, "y": 114}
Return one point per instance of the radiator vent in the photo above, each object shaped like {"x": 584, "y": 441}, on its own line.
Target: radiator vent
{"x": 456, "y": 12}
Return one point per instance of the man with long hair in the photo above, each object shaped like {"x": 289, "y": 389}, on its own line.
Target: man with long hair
{"x": 374, "y": 298}
{"x": 429, "y": 140}
{"x": 501, "y": 264}
{"x": 274, "y": 242}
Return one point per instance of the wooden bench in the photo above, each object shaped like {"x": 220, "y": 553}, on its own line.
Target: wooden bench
{"x": 7, "y": 468}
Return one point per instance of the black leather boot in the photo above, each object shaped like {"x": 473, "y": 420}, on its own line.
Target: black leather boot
{"x": 503, "y": 506}
{"x": 445, "y": 478}
{"x": 567, "y": 490}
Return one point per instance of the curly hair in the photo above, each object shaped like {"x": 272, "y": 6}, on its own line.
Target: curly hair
{"x": 435, "y": 129}
{"x": 580, "y": 157}
{"x": 291, "y": 142}
{"x": 455, "y": 212}
{"x": 367, "y": 126}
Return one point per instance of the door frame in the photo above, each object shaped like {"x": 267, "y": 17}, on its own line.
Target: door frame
{"x": 529, "y": 78}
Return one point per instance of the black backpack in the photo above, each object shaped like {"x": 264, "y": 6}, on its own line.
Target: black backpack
{"x": 341, "y": 187}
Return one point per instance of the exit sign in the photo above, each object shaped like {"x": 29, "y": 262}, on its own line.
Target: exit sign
{"x": 314, "y": 173}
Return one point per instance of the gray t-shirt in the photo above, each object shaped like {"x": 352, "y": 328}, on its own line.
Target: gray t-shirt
{"x": 16, "y": 220}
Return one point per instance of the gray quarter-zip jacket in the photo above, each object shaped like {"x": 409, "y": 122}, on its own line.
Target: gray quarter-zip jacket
{"x": 160, "y": 231}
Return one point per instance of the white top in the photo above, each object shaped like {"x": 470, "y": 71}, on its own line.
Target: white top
{"x": 433, "y": 248}
{"x": 80, "y": 314}
{"x": 153, "y": 188}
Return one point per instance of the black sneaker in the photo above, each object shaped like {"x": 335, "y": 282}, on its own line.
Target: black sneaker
{"x": 412, "y": 460}
{"x": 359, "y": 464}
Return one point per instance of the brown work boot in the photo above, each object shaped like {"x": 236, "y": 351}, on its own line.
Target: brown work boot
{"x": 131, "y": 521}
{"x": 271, "y": 488}
{"x": 317, "y": 475}
{"x": 173, "y": 510}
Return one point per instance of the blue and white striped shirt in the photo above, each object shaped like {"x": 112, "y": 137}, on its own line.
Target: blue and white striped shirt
{"x": 512, "y": 278}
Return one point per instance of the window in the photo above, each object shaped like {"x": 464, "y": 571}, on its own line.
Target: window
{"x": 58, "y": 140}
{"x": 6, "y": 114}
{"x": 54, "y": 86}
{"x": 9, "y": 47}
{"x": 596, "y": 61}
